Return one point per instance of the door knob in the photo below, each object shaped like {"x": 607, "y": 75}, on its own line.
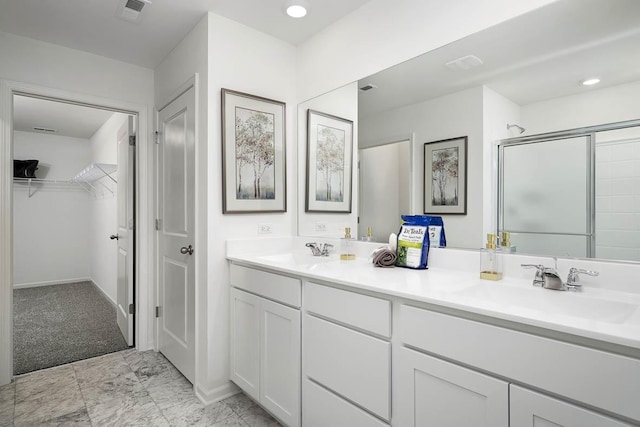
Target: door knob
{"x": 186, "y": 250}
{"x": 114, "y": 237}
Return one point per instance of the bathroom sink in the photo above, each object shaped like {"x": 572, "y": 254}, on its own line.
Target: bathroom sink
{"x": 555, "y": 304}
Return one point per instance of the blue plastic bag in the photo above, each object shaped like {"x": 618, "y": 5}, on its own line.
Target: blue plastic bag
{"x": 417, "y": 234}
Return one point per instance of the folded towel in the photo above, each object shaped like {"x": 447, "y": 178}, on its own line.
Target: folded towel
{"x": 384, "y": 258}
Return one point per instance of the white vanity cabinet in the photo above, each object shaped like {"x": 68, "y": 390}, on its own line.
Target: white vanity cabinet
{"x": 346, "y": 358}
{"x": 432, "y": 391}
{"x": 265, "y": 340}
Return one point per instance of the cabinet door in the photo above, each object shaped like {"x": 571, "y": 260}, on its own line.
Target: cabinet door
{"x": 245, "y": 342}
{"x": 280, "y": 361}
{"x": 432, "y": 392}
{"x": 531, "y": 409}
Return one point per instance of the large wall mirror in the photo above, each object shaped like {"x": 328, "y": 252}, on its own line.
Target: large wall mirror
{"x": 518, "y": 79}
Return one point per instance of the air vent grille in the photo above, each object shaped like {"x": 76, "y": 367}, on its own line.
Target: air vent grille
{"x": 368, "y": 87}
{"x": 47, "y": 130}
{"x": 136, "y": 5}
{"x": 465, "y": 63}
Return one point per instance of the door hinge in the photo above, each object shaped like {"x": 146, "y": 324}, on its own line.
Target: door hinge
{"x": 158, "y": 224}
{"x": 157, "y": 137}
{"x": 132, "y": 224}
{"x": 132, "y": 140}
{"x": 132, "y": 309}
{"x": 157, "y": 311}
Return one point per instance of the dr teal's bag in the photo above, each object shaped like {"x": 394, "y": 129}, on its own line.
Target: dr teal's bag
{"x": 416, "y": 235}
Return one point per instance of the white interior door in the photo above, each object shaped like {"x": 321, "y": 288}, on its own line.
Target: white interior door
{"x": 125, "y": 236}
{"x": 176, "y": 263}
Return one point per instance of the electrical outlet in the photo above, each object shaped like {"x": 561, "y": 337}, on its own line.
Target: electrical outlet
{"x": 264, "y": 228}
{"x": 321, "y": 227}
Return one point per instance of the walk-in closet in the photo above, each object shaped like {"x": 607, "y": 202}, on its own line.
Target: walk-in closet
{"x": 67, "y": 257}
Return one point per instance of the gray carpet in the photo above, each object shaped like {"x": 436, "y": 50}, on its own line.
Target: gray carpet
{"x": 58, "y": 324}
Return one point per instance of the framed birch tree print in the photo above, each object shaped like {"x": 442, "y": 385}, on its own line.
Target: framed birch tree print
{"x": 445, "y": 176}
{"x": 253, "y": 154}
{"x": 329, "y": 163}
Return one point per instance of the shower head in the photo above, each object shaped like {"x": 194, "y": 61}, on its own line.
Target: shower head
{"x": 520, "y": 128}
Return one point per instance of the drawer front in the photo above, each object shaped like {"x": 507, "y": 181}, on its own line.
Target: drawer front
{"x": 361, "y": 311}
{"x": 531, "y": 409}
{"x": 544, "y": 363}
{"x": 286, "y": 290}
{"x": 321, "y": 408}
{"x": 352, "y": 364}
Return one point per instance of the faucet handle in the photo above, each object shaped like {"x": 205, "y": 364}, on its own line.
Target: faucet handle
{"x": 573, "y": 279}
{"x": 538, "y": 279}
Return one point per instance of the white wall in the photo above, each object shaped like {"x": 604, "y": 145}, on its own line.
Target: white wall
{"x": 383, "y": 33}
{"x": 450, "y": 116}
{"x": 341, "y": 102}
{"x": 498, "y": 112}
{"x": 50, "y": 228}
{"x": 103, "y": 267}
{"x": 593, "y": 107}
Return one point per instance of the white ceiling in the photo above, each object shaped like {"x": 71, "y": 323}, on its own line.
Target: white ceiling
{"x": 541, "y": 55}
{"x": 92, "y": 25}
{"x": 67, "y": 119}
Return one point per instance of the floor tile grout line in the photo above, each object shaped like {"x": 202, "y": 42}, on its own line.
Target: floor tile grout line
{"x": 75, "y": 373}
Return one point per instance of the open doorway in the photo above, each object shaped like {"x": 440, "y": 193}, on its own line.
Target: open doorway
{"x": 73, "y": 239}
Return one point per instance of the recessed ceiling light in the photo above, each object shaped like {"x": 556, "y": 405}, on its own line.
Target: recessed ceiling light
{"x": 590, "y": 81}
{"x": 296, "y": 8}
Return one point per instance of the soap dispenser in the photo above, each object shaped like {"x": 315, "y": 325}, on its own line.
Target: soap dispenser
{"x": 505, "y": 243}
{"x": 490, "y": 260}
{"x": 347, "y": 250}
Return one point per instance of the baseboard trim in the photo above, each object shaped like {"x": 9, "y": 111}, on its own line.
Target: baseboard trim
{"x": 51, "y": 282}
{"x": 115, "y": 304}
{"x": 209, "y": 397}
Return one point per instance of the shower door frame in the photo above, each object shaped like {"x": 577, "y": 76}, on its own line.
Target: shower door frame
{"x": 590, "y": 133}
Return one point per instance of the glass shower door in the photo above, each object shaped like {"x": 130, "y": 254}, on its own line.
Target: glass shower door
{"x": 551, "y": 213}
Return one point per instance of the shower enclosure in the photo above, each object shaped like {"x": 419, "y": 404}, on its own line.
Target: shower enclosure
{"x": 572, "y": 193}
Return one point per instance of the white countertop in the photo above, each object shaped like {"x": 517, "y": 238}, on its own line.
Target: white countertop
{"x": 595, "y": 313}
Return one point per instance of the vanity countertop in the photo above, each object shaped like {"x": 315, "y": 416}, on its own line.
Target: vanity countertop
{"x": 594, "y": 313}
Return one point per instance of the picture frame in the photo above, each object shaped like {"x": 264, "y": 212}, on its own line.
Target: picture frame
{"x": 445, "y": 176}
{"x": 253, "y": 154}
{"x": 329, "y": 163}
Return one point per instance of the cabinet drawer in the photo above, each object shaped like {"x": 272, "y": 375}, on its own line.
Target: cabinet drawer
{"x": 352, "y": 364}
{"x": 321, "y": 408}
{"x": 547, "y": 364}
{"x": 286, "y": 290}
{"x": 530, "y": 409}
{"x": 361, "y": 311}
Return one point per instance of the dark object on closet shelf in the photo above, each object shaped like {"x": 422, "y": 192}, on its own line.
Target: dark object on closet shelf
{"x": 25, "y": 168}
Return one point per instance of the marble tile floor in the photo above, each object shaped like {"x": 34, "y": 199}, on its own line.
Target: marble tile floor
{"x": 127, "y": 388}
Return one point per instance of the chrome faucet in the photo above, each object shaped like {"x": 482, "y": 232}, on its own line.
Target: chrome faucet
{"x": 321, "y": 249}
{"x": 545, "y": 277}
{"x": 548, "y": 278}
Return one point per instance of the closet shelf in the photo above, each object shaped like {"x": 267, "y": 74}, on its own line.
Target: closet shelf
{"x": 95, "y": 171}
{"x": 87, "y": 179}
{"x": 33, "y": 184}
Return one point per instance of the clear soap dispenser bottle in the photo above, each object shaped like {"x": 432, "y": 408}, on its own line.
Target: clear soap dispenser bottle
{"x": 347, "y": 250}
{"x": 505, "y": 243}
{"x": 490, "y": 260}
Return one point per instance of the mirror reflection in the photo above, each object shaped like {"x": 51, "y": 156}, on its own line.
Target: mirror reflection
{"x": 527, "y": 73}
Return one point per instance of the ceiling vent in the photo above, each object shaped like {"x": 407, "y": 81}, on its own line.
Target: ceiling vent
{"x": 44, "y": 130}
{"x": 465, "y": 63}
{"x": 130, "y": 10}
{"x": 368, "y": 87}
